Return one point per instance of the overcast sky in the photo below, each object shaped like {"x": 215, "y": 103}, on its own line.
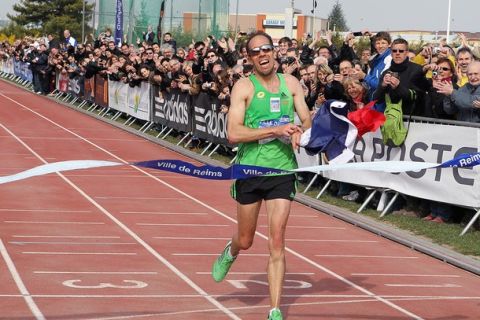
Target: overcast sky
{"x": 374, "y": 15}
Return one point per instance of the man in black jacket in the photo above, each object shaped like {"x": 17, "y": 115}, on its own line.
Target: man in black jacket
{"x": 39, "y": 70}
{"x": 404, "y": 80}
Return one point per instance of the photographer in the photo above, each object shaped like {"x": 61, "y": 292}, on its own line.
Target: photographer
{"x": 404, "y": 81}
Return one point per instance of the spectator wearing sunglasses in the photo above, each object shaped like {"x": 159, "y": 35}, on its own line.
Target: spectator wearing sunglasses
{"x": 404, "y": 81}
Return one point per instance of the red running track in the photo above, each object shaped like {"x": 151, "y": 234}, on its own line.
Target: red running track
{"x": 127, "y": 243}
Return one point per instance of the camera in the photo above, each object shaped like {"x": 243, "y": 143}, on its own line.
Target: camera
{"x": 393, "y": 74}
{"x": 288, "y": 60}
{"x": 436, "y": 50}
{"x": 434, "y": 73}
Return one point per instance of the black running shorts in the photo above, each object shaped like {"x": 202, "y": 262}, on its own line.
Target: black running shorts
{"x": 247, "y": 191}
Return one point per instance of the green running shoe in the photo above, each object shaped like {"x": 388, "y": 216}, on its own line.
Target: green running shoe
{"x": 222, "y": 264}
{"x": 275, "y": 314}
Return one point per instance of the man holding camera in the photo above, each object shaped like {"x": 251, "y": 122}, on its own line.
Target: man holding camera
{"x": 404, "y": 80}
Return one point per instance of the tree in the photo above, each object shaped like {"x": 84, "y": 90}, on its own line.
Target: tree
{"x": 53, "y": 16}
{"x": 336, "y": 18}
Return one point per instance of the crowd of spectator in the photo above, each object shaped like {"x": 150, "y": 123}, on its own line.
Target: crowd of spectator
{"x": 438, "y": 81}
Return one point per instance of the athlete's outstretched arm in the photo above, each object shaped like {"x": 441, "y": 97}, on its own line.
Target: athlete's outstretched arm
{"x": 236, "y": 130}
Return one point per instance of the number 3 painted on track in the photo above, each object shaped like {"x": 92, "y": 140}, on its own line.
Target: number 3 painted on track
{"x": 102, "y": 285}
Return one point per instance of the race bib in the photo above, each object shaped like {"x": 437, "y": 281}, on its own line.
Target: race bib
{"x": 274, "y": 104}
{"x": 274, "y": 123}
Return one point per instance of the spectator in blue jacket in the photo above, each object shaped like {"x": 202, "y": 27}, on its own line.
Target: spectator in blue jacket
{"x": 379, "y": 62}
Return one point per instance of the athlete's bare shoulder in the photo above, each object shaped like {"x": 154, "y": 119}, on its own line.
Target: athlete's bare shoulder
{"x": 243, "y": 87}
{"x": 293, "y": 84}
{"x": 291, "y": 80}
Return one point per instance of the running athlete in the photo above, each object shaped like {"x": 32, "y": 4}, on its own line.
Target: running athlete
{"x": 260, "y": 120}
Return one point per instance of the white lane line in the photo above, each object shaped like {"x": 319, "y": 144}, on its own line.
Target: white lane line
{"x": 132, "y": 234}
{"x": 182, "y": 224}
{"x": 216, "y": 254}
{"x": 405, "y": 275}
{"x": 109, "y": 175}
{"x": 293, "y": 215}
{"x": 261, "y": 273}
{"x": 52, "y": 222}
{"x": 167, "y": 213}
{"x": 95, "y": 272}
{"x": 73, "y": 243}
{"x": 81, "y": 253}
{"x": 44, "y": 210}
{"x": 306, "y": 227}
{"x": 138, "y": 198}
{"x": 189, "y": 296}
{"x": 19, "y": 282}
{"x": 362, "y": 257}
{"x": 331, "y": 240}
{"x": 446, "y": 285}
{"x": 192, "y": 238}
{"x": 67, "y": 237}
{"x": 224, "y": 215}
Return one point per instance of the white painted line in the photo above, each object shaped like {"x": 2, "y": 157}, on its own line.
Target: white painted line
{"x": 67, "y": 237}
{"x": 189, "y": 296}
{"x": 139, "y": 198}
{"x": 182, "y": 224}
{"x": 307, "y": 227}
{"x": 73, "y": 243}
{"x": 44, "y": 210}
{"x": 109, "y": 175}
{"x": 95, "y": 272}
{"x": 167, "y": 213}
{"x": 52, "y": 222}
{"x": 132, "y": 234}
{"x": 294, "y": 215}
{"x": 360, "y": 256}
{"x": 185, "y": 238}
{"x": 82, "y": 253}
{"x": 217, "y": 254}
{"x": 224, "y": 215}
{"x": 405, "y": 275}
{"x": 19, "y": 282}
{"x": 331, "y": 240}
{"x": 446, "y": 285}
{"x": 261, "y": 273}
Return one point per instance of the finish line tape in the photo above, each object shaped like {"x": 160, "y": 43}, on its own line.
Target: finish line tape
{"x": 238, "y": 171}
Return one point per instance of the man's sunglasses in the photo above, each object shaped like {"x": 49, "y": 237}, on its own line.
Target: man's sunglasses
{"x": 266, "y": 48}
{"x": 398, "y": 50}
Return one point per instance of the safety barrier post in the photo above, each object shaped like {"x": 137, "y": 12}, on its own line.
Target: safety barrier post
{"x": 471, "y": 222}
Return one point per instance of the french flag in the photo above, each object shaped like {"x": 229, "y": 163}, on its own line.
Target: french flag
{"x": 331, "y": 133}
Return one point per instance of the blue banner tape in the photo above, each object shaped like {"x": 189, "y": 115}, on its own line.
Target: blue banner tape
{"x": 238, "y": 171}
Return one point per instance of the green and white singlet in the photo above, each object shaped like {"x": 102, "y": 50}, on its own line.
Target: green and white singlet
{"x": 268, "y": 109}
